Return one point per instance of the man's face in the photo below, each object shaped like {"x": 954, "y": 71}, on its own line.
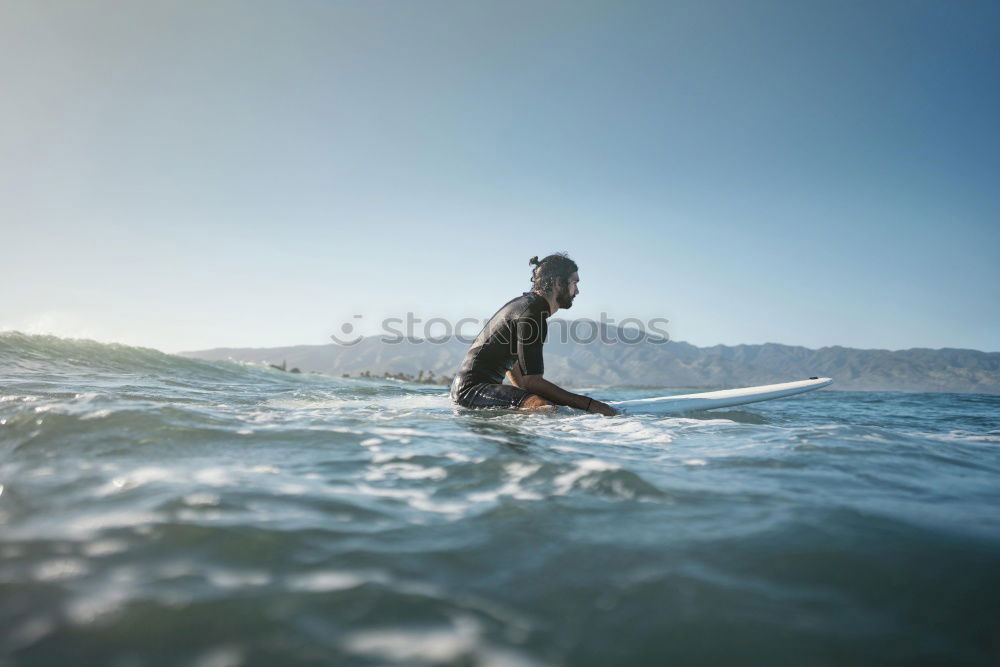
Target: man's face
{"x": 568, "y": 291}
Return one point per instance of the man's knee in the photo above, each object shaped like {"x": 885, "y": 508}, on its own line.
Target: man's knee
{"x": 534, "y": 402}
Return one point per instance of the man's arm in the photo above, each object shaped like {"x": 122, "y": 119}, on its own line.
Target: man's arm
{"x": 537, "y": 384}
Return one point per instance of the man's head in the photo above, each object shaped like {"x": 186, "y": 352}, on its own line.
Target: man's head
{"x": 556, "y": 275}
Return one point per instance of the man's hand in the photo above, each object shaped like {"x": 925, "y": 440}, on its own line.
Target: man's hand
{"x": 539, "y": 386}
{"x": 602, "y": 409}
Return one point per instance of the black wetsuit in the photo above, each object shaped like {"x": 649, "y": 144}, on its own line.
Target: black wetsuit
{"x": 513, "y": 335}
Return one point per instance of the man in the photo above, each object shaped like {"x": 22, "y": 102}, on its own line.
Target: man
{"x": 511, "y": 343}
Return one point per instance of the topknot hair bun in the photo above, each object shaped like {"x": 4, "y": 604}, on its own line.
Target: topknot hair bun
{"x": 534, "y": 260}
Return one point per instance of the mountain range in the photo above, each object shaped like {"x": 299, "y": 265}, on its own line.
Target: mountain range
{"x": 656, "y": 363}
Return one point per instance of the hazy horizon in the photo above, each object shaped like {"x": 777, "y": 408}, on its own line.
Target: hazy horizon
{"x": 672, "y": 340}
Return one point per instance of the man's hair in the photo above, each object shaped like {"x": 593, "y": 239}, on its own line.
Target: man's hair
{"x": 545, "y": 273}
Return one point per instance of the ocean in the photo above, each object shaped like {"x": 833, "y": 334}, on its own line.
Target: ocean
{"x": 160, "y": 510}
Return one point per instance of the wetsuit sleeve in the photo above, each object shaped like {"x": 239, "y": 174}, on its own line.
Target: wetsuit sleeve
{"x": 530, "y": 337}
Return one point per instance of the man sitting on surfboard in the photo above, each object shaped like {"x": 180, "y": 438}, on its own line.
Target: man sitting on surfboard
{"x": 511, "y": 343}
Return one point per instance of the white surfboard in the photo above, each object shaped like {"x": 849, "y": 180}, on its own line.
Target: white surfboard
{"x": 726, "y": 398}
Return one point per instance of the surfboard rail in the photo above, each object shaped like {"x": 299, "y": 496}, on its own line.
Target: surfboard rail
{"x": 726, "y": 398}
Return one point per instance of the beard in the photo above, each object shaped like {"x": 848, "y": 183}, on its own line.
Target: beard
{"x": 564, "y": 299}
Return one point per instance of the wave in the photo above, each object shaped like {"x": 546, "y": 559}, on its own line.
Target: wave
{"x": 30, "y": 355}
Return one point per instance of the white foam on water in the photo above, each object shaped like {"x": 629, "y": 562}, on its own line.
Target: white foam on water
{"x": 97, "y": 414}
{"x": 459, "y": 642}
{"x": 136, "y": 478}
{"x": 216, "y": 476}
{"x": 416, "y": 498}
{"x": 698, "y": 424}
{"x": 292, "y": 489}
{"x": 86, "y": 527}
{"x": 564, "y": 482}
{"x": 104, "y": 548}
{"x": 595, "y": 429}
{"x": 453, "y": 509}
{"x": 398, "y": 432}
{"x": 961, "y": 436}
{"x": 388, "y": 402}
{"x": 386, "y": 457}
{"x": 60, "y": 569}
{"x": 516, "y": 473}
{"x": 404, "y": 471}
{"x": 238, "y": 578}
{"x": 325, "y": 581}
{"x": 202, "y": 499}
{"x": 418, "y": 401}
{"x": 441, "y": 645}
{"x": 462, "y": 458}
{"x": 94, "y": 606}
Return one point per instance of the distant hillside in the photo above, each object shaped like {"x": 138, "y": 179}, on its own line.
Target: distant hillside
{"x": 673, "y": 364}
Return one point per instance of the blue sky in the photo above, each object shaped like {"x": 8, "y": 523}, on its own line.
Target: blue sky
{"x": 185, "y": 175}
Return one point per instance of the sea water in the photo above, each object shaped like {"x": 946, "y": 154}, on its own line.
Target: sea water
{"x": 159, "y": 510}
